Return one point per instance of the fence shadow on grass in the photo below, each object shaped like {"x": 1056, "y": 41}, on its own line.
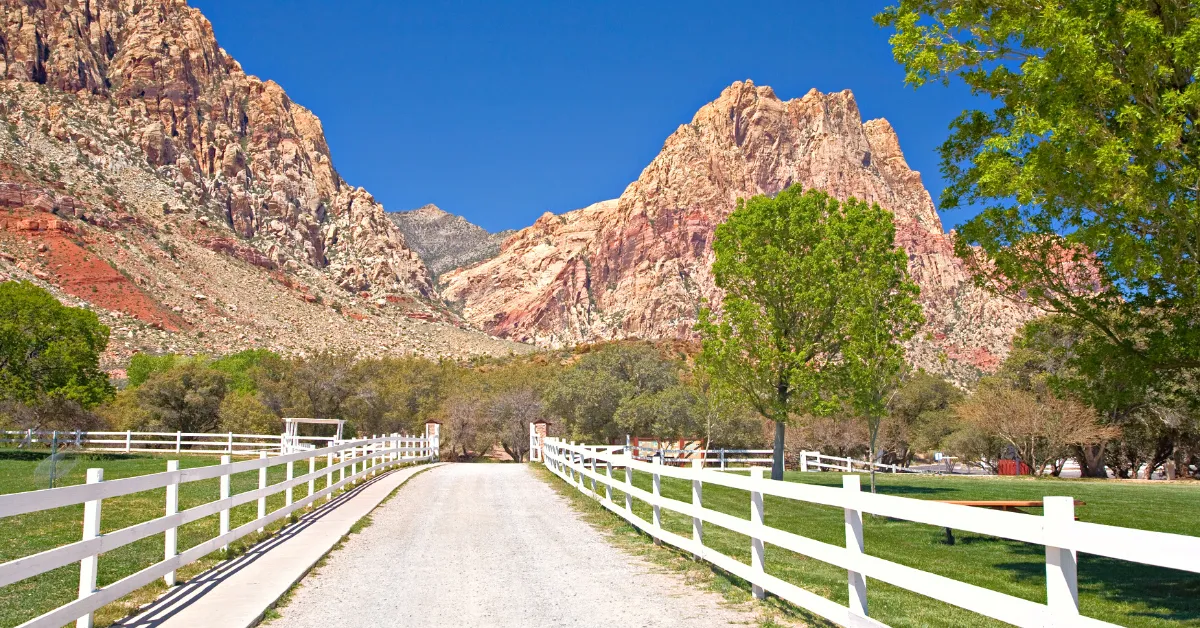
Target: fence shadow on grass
{"x": 1166, "y": 594}
{"x": 180, "y": 597}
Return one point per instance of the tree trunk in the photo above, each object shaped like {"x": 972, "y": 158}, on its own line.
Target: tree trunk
{"x": 1091, "y": 461}
{"x": 777, "y": 458}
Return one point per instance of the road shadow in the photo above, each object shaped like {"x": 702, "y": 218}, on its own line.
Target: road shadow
{"x": 187, "y": 593}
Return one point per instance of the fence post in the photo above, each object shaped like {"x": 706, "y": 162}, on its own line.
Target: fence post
{"x": 128, "y": 440}
{"x": 697, "y": 500}
{"x": 629, "y": 481}
{"x": 229, "y": 447}
{"x": 225, "y": 495}
{"x": 757, "y": 548}
{"x": 1062, "y": 585}
{"x": 593, "y": 459}
{"x": 854, "y": 545}
{"x": 262, "y": 483}
{"x": 291, "y": 470}
{"x": 88, "y": 566}
{"x": 608, "y": 472}
{"x": 722, "y": 458}
{"x": 329, "y": 476}
{"x": 342, "y": 469}
{"x": 657, "y": 482}
{"x": 178, "y": 442}
{"x": 804, "y": 462}
{"x": 571, "y": 464}
{"x": 170, "y": 538}
{"x": 312, "y": 479}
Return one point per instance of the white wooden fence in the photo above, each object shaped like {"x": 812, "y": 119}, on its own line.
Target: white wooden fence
{"x": 816, "y": 461}
{"x": 166, "y": 442}
{"x": 1057, "y": 530}
{"x": 347, "y": 463}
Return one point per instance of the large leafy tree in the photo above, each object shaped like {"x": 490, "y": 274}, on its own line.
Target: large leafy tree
{"x": 815, "y": 299}
{"x": 49, "y": 350}
{"x": 1085, "y": 159}
{"x": 587, "y": 395}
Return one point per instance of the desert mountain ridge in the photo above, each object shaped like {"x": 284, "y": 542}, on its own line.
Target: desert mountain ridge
{"x": 445, "y": 241}
{"x": 196, "y": 208}
{"x": 640, "y": 266}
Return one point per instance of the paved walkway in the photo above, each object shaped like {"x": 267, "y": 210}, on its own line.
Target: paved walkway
{"x": 237, "y": 592}
{"x": 491, "y": 545}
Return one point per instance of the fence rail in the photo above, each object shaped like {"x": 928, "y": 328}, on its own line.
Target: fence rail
{"x": 816, "y": 461}
{"x": 167, "y": 442}
{"x": 721, "y": 458}
{"x": 1057, "y": 530}
{"x": 351, "y": 462}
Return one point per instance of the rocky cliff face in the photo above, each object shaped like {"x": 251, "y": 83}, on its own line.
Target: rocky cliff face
{"x": 143, "y": 173}
{"x": 640, "y": 266}
{"x": 445, "y": 241}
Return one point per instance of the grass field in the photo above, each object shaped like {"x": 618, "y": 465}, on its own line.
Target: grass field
{"x": 1115, "y": 591}
{"x": 28, "y": 534}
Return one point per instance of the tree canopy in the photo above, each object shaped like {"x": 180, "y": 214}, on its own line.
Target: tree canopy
{"x": 1086, "y": 161}
{"x": 49, "y": 350}
{"x": 816, "y": 300}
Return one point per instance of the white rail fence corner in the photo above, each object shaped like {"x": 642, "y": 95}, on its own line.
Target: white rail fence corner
{"x": 364, "y": 458}
{"x": 1057, "y": 530}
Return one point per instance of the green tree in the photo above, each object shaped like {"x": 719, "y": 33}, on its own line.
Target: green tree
{"x": 665, "y": 415}
{"x": 920, "y": 415}
{"x": 811, "y": 287}
{"x": 243, "y": 413}
{"x": 142, "y": 366}
{"x": 240, "y": 368}
{"x": 1085, "y": 159}
{"x": 48, "y": 350}
{"x": 587, "y": 395}
{"x": 186, "y": 398}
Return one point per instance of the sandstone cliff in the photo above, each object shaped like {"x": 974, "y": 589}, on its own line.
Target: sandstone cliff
{"x": 445, "y": 241}
{"x": 640, "y": 266}
{"x": 143, "y": 173}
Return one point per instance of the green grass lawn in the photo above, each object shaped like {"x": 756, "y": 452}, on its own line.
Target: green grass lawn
{"x": 1115, "y": 591}
{"x": 35, "y": 532}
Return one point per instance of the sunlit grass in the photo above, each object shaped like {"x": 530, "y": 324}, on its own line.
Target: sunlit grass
{"x": 35, "y": 532}
{"x": 1115, "y": 591}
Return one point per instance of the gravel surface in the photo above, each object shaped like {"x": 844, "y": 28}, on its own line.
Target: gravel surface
{"x": 492, "y": 545}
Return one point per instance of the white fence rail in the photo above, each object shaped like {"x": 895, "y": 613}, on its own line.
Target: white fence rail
{"x": 167, "y": 442}
{"x": 720, "y": 458}
{"x": 347, "y": 464}
{"x": 1057, "y": 530}
{"x": 816, "y": 461}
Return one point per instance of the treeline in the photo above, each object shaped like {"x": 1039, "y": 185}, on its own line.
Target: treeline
{"x": 1051, "y": 401}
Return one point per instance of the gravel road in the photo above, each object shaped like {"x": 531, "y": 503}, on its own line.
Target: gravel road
{"x": 492, "y": 545}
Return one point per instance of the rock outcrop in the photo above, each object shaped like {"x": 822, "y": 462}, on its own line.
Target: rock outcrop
{"x": 196, "y": 208}
{"x": 445, "y": 241}
{"x": 640, "y": 266}
{"x": 218, "y": 133}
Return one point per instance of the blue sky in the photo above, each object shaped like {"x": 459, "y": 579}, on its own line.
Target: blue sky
{"x": 500, "y": 111}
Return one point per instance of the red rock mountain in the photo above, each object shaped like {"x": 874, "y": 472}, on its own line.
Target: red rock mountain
{"x": 196, "y": 207}
{"x": 640, "y": 266}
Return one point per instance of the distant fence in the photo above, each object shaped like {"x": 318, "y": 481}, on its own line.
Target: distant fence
{"x": 816, "y": 461}
{"x": 166, "y": 442}
{"x": 347, "y": 463}
{"x": 1057, "y": 530}
{"x": 720, "y": 458}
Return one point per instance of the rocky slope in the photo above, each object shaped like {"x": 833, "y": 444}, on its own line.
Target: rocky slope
{"x": 445, "y": 241}
{"x": 640, "y": 266}
{"x": 143, "y": 173}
